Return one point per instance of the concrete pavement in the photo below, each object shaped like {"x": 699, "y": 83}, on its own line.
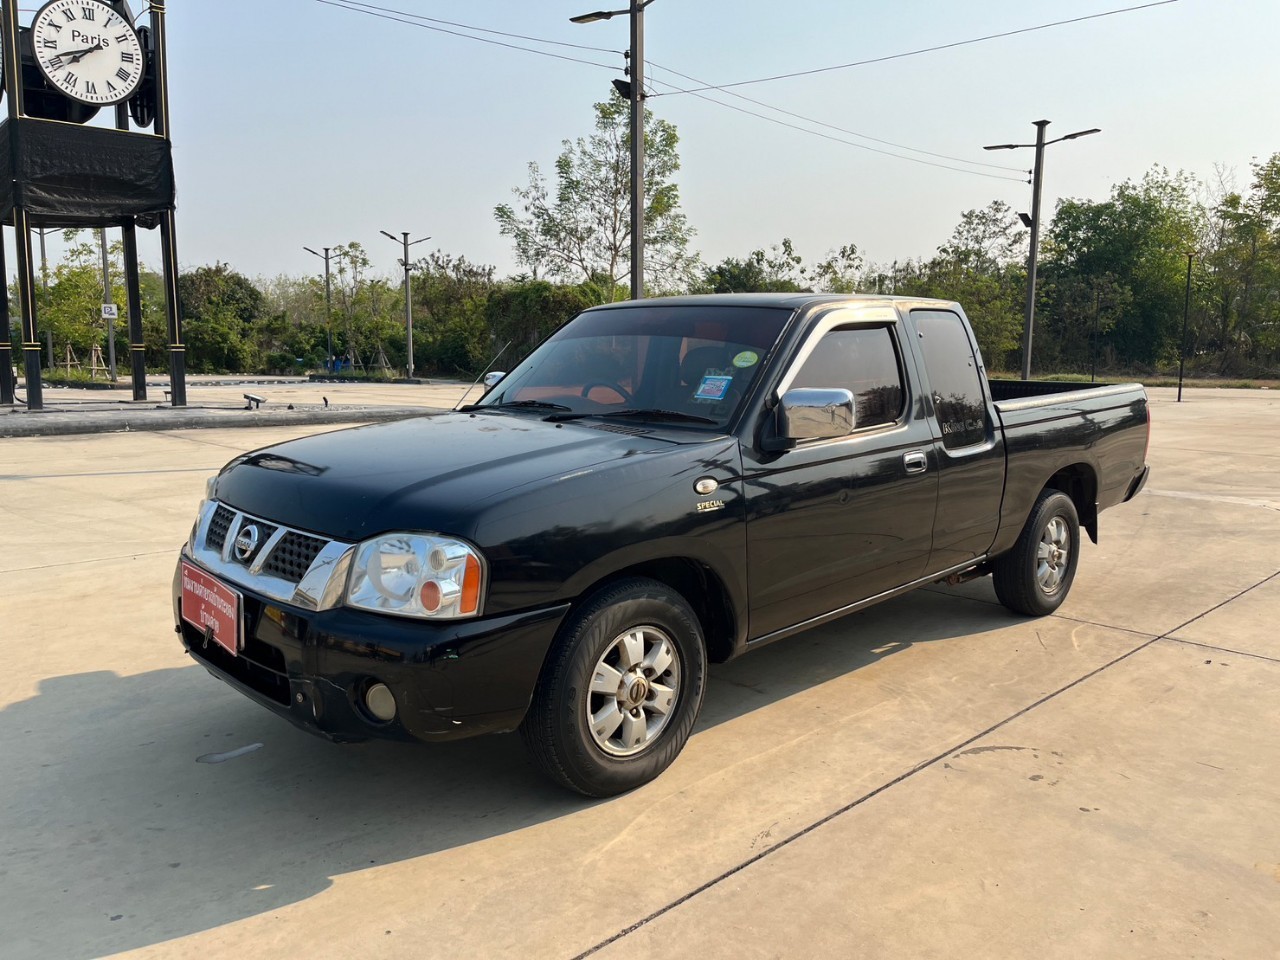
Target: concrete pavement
{"x": 933, "y": 777}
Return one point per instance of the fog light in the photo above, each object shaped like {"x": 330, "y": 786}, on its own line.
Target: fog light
{"x": 380, "y": 702}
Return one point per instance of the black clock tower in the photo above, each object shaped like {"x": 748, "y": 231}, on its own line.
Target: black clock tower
{"x": 56, "y": 170}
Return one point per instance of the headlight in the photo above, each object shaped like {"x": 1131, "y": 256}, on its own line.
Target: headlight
{"x": 209, "y": 483}
{"x": 416, "y": 575}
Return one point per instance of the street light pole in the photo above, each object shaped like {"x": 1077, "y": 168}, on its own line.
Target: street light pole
{"x": 328, "y": 308}
{"x": 1037, "y": 176}
{"x": 408, "y": 295}
{"x": 634, "y": 92}
{"x": 1097, "y": 304}
{"x": 1186, "y": 312}
{"x": 637, "y": 150}
{"x": 107, "y": 301}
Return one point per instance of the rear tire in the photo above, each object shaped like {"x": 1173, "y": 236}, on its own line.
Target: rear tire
{"x": 1035, "y": 576}
{"x": 619, "y": 695}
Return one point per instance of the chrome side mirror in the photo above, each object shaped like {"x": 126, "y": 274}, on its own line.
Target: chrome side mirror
{"x": 808, "y": 413}
{"x": 491, "y": 379}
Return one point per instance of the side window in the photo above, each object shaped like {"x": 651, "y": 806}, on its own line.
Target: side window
{"x": 955, "y": 377}
{"x": 864, "y": 361}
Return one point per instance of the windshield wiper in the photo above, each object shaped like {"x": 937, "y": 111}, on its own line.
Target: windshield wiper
{"x": 526, "y": 404}
{"x": 674, "y": 416}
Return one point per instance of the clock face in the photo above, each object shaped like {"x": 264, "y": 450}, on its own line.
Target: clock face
{"x": 87, "y": 51}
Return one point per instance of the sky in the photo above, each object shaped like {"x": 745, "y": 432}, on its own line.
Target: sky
{"x": 303, "y": 123}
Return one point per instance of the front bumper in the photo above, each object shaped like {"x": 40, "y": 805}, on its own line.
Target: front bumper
{"x": 450, "y": 679}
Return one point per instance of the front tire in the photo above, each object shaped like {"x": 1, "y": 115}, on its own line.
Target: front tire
{"x": 1035, "y": 576}
{"x": 618, "y": 697}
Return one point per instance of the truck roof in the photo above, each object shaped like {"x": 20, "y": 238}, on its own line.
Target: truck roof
{"x": 790, "y": 300}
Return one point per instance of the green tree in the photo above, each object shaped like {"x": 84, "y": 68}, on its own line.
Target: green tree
{"x": 295, "y": 325}
{"x": 524, "y": 312}
{"x": 449, "y": 297}
{"x": 71, "y": 306}
{"x": 1139, "y": 239}
{"x": 219, "y": 307}
{"x": 1239, "y": 279}
{"x": 840, "y": 271}
{"x": 583, "y": 228}
{"x": 781, "y": 270}
{"x": 981, "y": 267}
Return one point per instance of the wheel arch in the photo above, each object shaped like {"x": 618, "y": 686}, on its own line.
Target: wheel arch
{"x": 1079, "y": 481}
{"x": 702, "y": 588}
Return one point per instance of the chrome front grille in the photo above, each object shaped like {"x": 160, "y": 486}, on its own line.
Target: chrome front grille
{"x": 272, "y": 559}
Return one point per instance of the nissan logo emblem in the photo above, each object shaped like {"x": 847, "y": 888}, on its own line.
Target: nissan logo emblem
{"x": 246, "y": 543}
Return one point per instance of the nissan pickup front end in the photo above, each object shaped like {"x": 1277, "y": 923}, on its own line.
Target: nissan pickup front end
{"x": 354, "y": 640}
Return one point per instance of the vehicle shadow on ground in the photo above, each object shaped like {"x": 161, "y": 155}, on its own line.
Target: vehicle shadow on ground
{"x": 115, "y": 837}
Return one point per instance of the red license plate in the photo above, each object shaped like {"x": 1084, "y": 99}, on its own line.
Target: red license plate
{"x": 211, "y": 607}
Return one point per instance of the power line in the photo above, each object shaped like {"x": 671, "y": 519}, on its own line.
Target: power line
{"x": 832, "y": 126}
{"x": 417, "y": 20}
{"x": 850, "y": 143}
{"x": 346, "y": 5}
{"x": 914, "y": 53}
{"x": 467, "y": 26}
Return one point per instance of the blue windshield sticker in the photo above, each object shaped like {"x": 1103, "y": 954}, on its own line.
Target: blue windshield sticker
{"x": 713, "y": 388}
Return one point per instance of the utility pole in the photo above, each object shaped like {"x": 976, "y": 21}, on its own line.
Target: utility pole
{"x": 1036, "y": 179}
{"x": 637, "y": 149}
{"x": 633, "y": 90}
{"x": 328, "y": 308}
{"x": 44, "y": 260}
{"x": 107, "y": 302}
{"x": 408, "y": 294}
{"x": 1186, "y": 311}
{"x": 1097, "y": 303}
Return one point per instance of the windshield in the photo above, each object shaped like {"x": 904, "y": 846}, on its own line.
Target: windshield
{"x": 677, "y": 364}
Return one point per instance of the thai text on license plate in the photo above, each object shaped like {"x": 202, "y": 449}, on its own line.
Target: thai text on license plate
{"x": 211, "y": 607}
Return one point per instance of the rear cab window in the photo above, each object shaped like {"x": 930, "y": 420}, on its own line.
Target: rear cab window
{"x": 955, "y": 378}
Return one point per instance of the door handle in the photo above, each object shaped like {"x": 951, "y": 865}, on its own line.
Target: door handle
{"x": 915, "y": 461}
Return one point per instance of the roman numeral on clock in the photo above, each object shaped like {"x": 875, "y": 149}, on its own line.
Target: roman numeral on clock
{"x": 86, "y": 13}
{"x": 90, "y": 87}
{"x": 71, "y": 17}
{"x": 55, "y": 63}
{"x": 122, "y": 73}
{"x": 71, "y": 79}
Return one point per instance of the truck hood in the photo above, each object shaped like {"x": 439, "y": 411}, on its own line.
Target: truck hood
{"x": 432, "y": 472}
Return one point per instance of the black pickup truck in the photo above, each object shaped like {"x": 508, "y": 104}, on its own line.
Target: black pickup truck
{"x": 660, "y": 484}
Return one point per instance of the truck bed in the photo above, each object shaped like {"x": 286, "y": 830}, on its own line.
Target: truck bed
{"x": 1024, "y": 402}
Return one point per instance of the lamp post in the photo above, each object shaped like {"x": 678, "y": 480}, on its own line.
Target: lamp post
{"x": 107, "y": 302}
{"x": 1036, "y": 179}
{"x": 1186, "y": 312}
{"x": 633, "y": 91}
{"x": 328, "y": 307}
{"x": 408, "y": 298}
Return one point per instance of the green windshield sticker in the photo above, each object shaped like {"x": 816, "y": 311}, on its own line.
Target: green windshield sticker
{"x": 747, "y": 358}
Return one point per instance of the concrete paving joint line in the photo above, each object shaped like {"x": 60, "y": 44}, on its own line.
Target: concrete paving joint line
{"x": 1234, "y": 653}
{"x": 907, "y": 774}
